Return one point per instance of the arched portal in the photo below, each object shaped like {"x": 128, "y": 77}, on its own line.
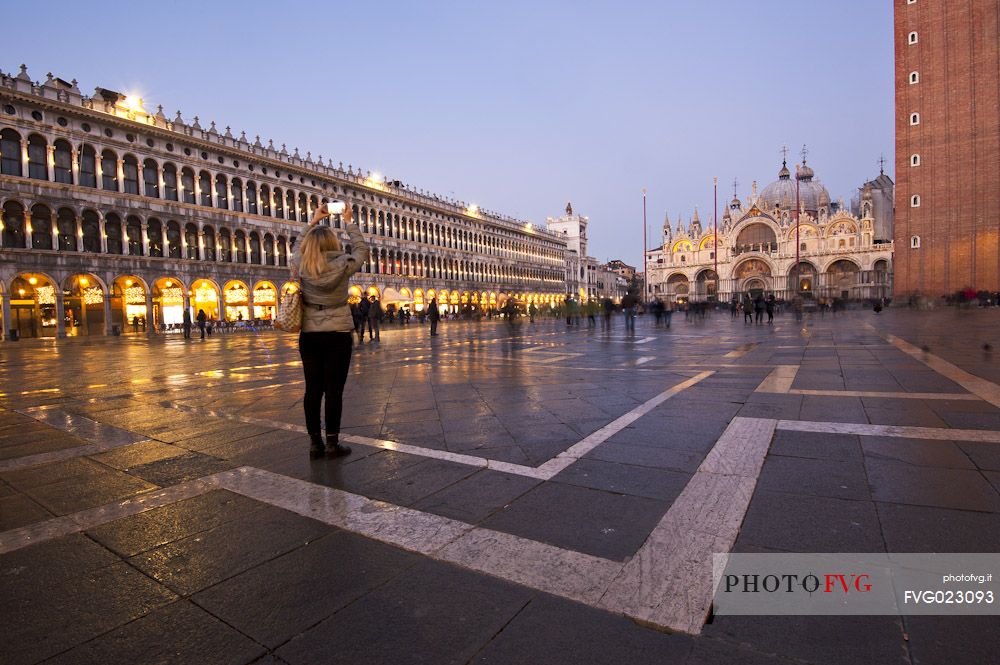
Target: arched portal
{"x": 265, "y": 301}
{"x": 841, "y": 278}
{"x": 205, "y": 297}
{"x": 168, "y": 301}
{"x": 83, "y": 305}
{"x": 707, "y": 284}
{"x": 237, "y": 301}
{"x": 128, "y": 303}
{"x": 33, "y": 305}
{"x": 802, "y": 278}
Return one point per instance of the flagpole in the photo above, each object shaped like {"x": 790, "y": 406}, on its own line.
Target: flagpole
{"x": 645, "y": 265}
{"x": 798, "y": 282}
{"x": 715, "y": 219}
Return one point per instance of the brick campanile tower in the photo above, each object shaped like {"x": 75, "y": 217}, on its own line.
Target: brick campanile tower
{"x": 947, "y": 146}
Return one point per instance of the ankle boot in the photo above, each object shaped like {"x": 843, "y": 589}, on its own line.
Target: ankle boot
{"x": 316, "y": 448}
{"x": 334, "y": 448}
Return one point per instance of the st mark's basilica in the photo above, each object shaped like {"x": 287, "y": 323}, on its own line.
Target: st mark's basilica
{"x": 844, "y": 251}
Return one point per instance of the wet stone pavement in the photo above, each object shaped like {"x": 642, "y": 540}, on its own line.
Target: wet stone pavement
{"x": 526, "y": 494}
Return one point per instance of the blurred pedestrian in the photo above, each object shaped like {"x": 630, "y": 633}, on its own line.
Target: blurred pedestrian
{"x": 202, "y": 318}
{"x": 434, "y": 314}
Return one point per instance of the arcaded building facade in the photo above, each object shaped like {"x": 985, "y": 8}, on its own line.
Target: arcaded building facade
{"x": 840, "y": 255}
{"x": 113, "y": 214}
{"x": 947, "y": 146}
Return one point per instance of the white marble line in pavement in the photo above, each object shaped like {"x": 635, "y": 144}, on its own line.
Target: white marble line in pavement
{"x": 668, "y": 583}
{"x": 887, "y": 395}
{"x": 104, "y": 437}
{"x": 987, "y": 390}
{"x": 780, "y": 379}
{"x": 861, "y": 429}
{"x": 543, "y": 472}
{"x": 578, "y": 450}
{"x": 88, "y": 519}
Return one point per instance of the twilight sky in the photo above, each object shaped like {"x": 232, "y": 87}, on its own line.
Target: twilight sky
{"x": 518, "y": 106}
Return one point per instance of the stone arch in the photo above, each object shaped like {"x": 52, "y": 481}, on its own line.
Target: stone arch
{"x": 83, "y": 304}
{"x": 205, "y": 296}
{"x": 33, "y": 304}
{"x": 265, "y": 300}
{"x": 236, "y": 298}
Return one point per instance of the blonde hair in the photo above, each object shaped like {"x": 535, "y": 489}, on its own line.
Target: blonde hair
{"x": 319, "y": 240}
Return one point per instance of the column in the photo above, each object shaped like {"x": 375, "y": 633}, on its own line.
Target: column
{"x": 149, "y": 312}
{"x": 197, "y": 188}
{"x": 78, "y": 230}
{"x": 5, "y": 311}
{"x": 60, "y": 313}
{"x": 215, "y": 193}
{"x": 184, "y": 243}
{"x": 50, "y": 162}
{"x": 28, "y": 242}
{"x": 107, "y": 310}
{"x": 24, "y": 157}
{"x": 103, "y": 234}
{"x": 75, "y": 160}
{"x": 250, "y": 286}
{"x": 159, "y": 176}
{"x": 55, "y": 231}
{"x": 121, "y": 175}
{"x": 144, "y": 229}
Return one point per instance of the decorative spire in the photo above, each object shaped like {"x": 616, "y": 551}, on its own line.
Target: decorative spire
{"x": 178, "y": 120}
{"x": 257, "y": 143}
{"x": 270, "y": 144}
{"x": 23, "y": 76}
{"x": 243, "y": 136}
{"x": 229, "y": 133}
{"x": 195, "y": 124}
{"x": 212, "y": 129}
{"x": 666, "y": 221}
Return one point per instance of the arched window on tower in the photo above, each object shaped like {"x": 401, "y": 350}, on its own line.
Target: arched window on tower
{"x": 187, "y": 185}
{"x": 88, "y": 166}
{"x": 191, "y": 241}
{"x": 37, "y": 149}
{"x": 221, "y": 192}
{"x": 130, "y": 172}
{"x": 205, "y": 183}
{"x": 170, "y": 182}
{"x": 151, "y": 178}
{"x": 109, "y": 171}
{"x": 66, "y": 230}
{"x": 91, "y": 232}
{"x": 10, "y": 152}
{"x": 62, "y": 158}
{"x": 237, "y": 189}
{"x": 113, "y": 233}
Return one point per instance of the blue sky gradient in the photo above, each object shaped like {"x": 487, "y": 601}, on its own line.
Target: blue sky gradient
{"x": 517, "y": 106}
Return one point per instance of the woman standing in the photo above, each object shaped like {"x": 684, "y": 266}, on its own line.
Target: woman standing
{"x": 324, "y": 270}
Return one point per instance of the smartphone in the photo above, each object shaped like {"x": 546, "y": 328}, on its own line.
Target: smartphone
{"x": 336, "y": 207}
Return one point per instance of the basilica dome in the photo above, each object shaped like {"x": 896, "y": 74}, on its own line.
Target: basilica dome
{"x": 781, "y": 193}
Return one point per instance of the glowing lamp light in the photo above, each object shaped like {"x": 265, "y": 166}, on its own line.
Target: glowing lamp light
{"x": 128, "y": 282}
{"x": 21, "y": 292}
{"x": 84, "y": 281}
{"x": 133, "y": 102}
{"x": 32, "y": 280}
{"x": 169, "y": 284}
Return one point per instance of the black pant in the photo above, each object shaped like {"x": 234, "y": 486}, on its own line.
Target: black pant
{"x": 326, "y": 358}
{"x": 201, "y": 326}
{"x": 187, "y": 330}
{"x": 434, "y": 326}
